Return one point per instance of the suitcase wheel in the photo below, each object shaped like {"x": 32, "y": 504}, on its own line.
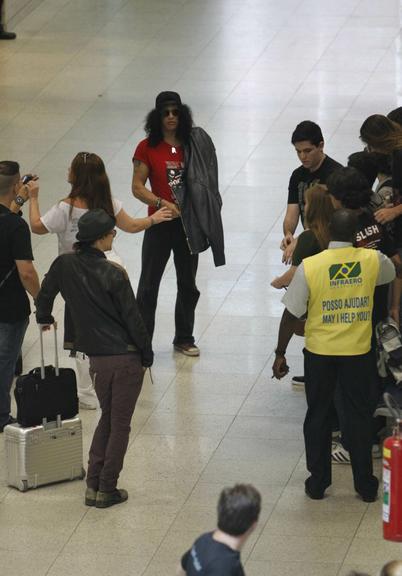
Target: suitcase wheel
{"x": 24, "y": 485}
{"x": 83, "y": 474}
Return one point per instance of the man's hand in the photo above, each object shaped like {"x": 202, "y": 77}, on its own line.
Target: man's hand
{"x": 175, "y": 210}
{"x": 162, "y": 215}
{"x": 288, "y": 252}
{"x": 33, "y": 188}
{"x": 278, "y": 283}
{"x": 279, "y": 367}
{"x": 286, "y": 240}
{"x": 45, "y": 327}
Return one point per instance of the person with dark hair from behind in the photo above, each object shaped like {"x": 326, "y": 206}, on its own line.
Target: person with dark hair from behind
{"x": 336, "y": 288}
{"x": 308, "y": 142}
{"x": 393, "y": 568}
{"x": 17, "y": 277}
{"x": 110, "y": 330}
{"x": 218, "y": 553}
{"x": 349, "y": 189}
{"x": 179, "y": 161}
{"x": 4, "y": 35}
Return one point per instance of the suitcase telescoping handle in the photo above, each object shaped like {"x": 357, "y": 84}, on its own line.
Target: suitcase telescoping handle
{"x": 42, "y": 357}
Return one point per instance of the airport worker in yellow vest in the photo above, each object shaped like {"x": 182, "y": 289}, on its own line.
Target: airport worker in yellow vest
{"x": 335, "y": 288}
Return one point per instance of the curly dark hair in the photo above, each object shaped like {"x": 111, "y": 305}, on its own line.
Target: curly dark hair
{"x": 153, "y": 125}
{"x": 350, "y": 187}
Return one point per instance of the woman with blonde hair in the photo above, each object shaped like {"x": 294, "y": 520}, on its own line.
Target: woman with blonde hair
{"x": 315, "y": 238}
{"x": 90, "y": 188}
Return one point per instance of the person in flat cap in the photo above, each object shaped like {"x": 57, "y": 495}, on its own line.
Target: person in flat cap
{"x": 179, "y": 160}
{"x": 109, "y": 329}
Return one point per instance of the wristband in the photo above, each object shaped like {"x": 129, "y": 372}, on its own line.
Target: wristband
{"x": 158, "y": 203}
{"x": 280, "y": 352}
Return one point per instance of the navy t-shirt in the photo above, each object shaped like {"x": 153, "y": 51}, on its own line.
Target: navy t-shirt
{"x": 207, "y": 557}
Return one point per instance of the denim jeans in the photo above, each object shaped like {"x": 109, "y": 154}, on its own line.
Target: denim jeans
{"x": 11, "y": 337}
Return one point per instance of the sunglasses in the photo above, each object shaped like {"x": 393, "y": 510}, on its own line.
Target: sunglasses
{"x": 85, "y": 156}
{"x": 172, "y": 111}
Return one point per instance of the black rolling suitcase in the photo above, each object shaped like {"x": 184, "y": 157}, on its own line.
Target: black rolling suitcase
{"x": 46, "y": 392}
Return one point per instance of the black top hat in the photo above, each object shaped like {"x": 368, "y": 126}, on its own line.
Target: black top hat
{"x": 165, "y": 98}
{"x": 93, "y": 225}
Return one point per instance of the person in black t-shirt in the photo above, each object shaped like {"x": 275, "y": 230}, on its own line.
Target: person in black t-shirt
{"x": 17, "y": 276}
{"x": 218, "y": 553}
{"x": 349, "y": 189}
{"x": 315, "y": 169}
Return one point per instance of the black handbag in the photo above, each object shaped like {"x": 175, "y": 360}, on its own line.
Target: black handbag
{"x": 46, "y": 392}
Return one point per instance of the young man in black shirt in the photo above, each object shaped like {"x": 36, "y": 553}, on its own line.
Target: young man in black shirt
{"x": 17, "y": 277}
{"x": 218, "y": 553}
{"x": 315, "y": 169}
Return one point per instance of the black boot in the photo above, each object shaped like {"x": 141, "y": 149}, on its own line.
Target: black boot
{"x": 6, "y": 35}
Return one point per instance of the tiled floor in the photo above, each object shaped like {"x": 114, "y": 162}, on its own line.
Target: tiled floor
{"x": 81, "y": 76}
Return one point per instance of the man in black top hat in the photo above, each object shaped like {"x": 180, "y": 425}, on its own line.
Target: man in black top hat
{"x": 160, "y": 158}
{"x": 110, "y": 331}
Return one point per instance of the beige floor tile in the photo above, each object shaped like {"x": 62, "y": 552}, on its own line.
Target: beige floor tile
{"x": 276, "y": 548}
{"x": 372, "y": 551}
{"x": 258, "y": 568}
{"x": 372, "y": 569}
{"x": 187, "y": 424}
{"x": 27, "y": 562}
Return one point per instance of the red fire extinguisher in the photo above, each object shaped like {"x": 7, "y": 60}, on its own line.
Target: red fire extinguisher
{"x": 392, "y": 476}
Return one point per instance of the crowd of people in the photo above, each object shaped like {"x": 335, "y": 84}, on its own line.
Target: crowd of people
{"x": 344, "y": 277}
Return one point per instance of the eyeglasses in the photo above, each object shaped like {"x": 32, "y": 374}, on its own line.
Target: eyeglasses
{"x": 172, "y": 111}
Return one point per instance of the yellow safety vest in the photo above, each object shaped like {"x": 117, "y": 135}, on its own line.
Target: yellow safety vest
{"x": 341, "y": 282}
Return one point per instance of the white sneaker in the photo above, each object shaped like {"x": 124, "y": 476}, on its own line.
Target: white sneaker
{"x": 339, "y": 455}
{"x": 85, "y": 406}
{"x": 298, "y": 382}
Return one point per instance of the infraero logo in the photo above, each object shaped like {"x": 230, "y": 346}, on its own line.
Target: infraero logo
{"x": 345, "y": 274}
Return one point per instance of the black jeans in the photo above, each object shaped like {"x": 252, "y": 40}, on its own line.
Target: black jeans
{"x": 355, "y": 378}
{"x": 159, "y": 241}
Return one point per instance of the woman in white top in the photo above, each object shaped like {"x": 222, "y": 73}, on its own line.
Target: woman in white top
{"x": 90, "y": 188}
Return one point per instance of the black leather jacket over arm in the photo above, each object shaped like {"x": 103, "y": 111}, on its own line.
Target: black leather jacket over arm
{"x": 199, "y": 199}
{"x": 101, "y": 302}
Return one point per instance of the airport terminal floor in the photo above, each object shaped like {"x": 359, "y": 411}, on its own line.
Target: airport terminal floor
{"x": 81, "y": 76}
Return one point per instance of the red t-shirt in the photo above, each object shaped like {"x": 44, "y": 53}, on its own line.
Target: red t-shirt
{"x": 166, "y": 167}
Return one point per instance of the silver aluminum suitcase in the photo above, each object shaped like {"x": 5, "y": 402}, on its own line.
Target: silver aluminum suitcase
{"x": 43, "y": 454}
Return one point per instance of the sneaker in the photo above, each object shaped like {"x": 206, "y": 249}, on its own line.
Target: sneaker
{"x": 85, "y": 406}
{"x": 90, "y": 497}
{"x": 6, "y": 35}
{"x": 376, "y": 451}
{"x": 106, "y": 499}
{"x": 187, "y": 349}
{"x": 339, "y": 455}
{"x": 298, "y": 382}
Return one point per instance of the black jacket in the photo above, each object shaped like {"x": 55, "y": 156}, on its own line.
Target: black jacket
{"x": 101, "y": 302}
{"x": 199, "y": 199}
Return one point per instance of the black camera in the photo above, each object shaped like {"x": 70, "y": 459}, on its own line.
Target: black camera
{"x": 27, "y": 178}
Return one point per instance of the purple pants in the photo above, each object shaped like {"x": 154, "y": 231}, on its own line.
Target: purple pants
{"x": 117, "y": 381}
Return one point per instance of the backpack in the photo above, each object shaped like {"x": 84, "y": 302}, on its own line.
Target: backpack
{"x": 389, "y": 350}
